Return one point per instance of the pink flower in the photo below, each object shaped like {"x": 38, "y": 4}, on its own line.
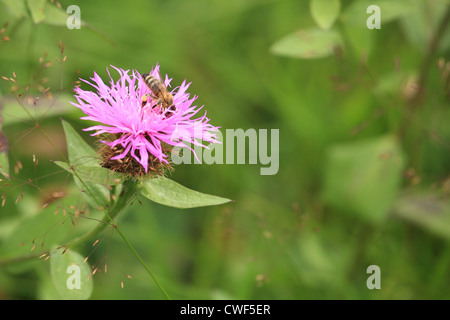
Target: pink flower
{"x": 140, "y": 128}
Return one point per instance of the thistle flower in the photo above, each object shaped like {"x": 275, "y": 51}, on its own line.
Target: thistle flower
{"x": 136, "y": 130}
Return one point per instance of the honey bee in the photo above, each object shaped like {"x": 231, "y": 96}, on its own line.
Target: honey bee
{"x": 160, "y": 95}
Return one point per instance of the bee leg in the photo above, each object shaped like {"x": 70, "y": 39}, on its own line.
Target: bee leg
{"x": 170, "y": 111}
{"x": 144, "y": 99}
{"x": 158, "y": 102}
{"x": 154, "y": 98}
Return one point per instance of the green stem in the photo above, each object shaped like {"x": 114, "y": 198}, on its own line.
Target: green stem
{"x": 406, "y": 131}
{"x": 143, "y": 263}
{"x": 127, "y": 195}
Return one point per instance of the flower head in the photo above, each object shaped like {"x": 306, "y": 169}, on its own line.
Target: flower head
{"x": 137, "y": 126}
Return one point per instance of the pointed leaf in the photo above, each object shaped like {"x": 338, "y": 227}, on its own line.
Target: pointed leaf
{"x": 355, "y": 17}
{"x": 70, "y": 275}
{"x": 36, "y": 8}
{"x": 97, "y": 193}
{"x": 307, "y": 44}
{"x": 16, "y": 7}
{"x": 55, "y": 16}
{"x": 78, "y": 150}
{"x": 97, "y": 175}
{"x": 325, "y": 12}
{"x": 58, "y": 17}
{"x": 167, "y": 192}
{"x": 356, "y": 14}
{"x": 4, "y": 161}
{"x": 422, "y": 21}
{"x": 52, "y": 107}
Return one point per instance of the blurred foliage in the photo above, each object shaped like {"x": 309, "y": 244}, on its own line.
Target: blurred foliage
{"x": 364, "y": 148}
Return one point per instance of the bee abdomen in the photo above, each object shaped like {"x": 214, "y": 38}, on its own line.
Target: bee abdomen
{"x": 152, "y": 82}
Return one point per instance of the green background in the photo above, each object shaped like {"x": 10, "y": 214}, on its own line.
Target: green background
{"x": 364, "y": 155}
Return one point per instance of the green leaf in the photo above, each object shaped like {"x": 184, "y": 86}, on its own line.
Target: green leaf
{"x": 78, "y": 150}
{"x": 307, "y": 44}
{"x": 16, "y": 7}
{"x": 70, "y": 275}
{"x": 325, "y": 12}
{"x": 354, "y": 19}
{"x": 32, "y": 225}
{"x": 97, "y": 193}
{"x": 167, "y": 192}
{"x": 355, "y": 15}
{"x": 423, "y": 19}
{"x": 46, "y": 290}
{"x": 36, "y": 8}
{"x": 58, "y": 17}
{"x": 4, "y": 161}
{"x": 55, "y": 16}
{"x": 14, "y": 113}
{"x": 428, "y": 211}
{"x": 364, "y": 177}
{"x": 96, "y": 175}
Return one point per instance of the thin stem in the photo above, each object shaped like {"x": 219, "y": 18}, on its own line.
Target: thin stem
{"x": 143, "y": 263}
{"x": 61, "y": 61}
{"x": 406, "y": 131}
{"x": 432, "y": 48}
{"x": 102, "y": 224}
{"x": 128, "y": 194}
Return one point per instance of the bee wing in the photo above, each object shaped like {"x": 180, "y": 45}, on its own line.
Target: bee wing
{"x": 163, "y": 80}
{"x": 158, "y": 74}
